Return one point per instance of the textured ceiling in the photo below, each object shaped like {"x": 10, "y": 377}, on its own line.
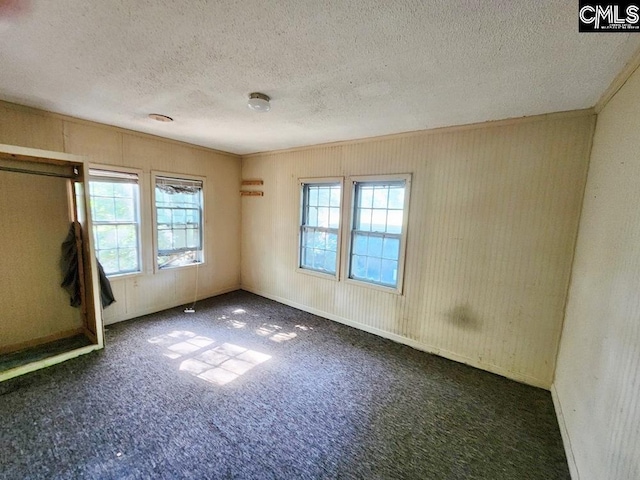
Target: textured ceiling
{"x": 335, "y": 70}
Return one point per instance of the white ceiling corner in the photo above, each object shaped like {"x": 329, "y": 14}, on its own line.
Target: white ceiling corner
{"x": 334, "y": 70}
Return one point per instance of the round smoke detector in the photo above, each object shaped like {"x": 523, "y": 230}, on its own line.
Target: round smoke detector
{"x": 259, "y": 102}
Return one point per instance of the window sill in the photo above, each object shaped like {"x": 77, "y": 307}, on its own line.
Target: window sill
{"x": 382, "y": 288}
{"x": 122, "y": 276}
{"x": 315, "y": 273}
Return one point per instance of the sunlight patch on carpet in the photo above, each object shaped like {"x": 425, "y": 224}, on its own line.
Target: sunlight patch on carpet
{"x": 273, "y": 332}
{"x": 207, "y": 360}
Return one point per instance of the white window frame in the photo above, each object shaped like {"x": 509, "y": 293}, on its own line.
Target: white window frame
{"x": 177, "y": 176}
{"x": 319, "y": 181}
{"x": 348, "y": 240}
{"x": 116, "y": 169}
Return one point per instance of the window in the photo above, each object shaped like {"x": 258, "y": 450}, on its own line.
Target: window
{"x": 378, "y": 230}
{"x": 178, "y": 221}
{"x": 320, "y": 225}
{"x": 115, "y": 210}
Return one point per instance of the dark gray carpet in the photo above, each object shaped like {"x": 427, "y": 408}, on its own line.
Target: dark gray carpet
{"x": 330, "y": 402}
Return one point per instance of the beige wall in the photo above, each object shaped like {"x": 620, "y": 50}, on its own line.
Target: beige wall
{"x": 493, "y": 218}
{"x": 597, "y": 385}
{"x": 35, "y": 221}
{"x": 148, "y": 292}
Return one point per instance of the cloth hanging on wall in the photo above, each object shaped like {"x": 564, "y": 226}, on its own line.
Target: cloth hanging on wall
{"x": 71, "y": 271}
{"x": 69, "y": 265}
{"x": 106, "y": 293}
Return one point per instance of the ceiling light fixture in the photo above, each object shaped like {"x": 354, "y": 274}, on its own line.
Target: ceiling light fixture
{"x": 160, "y": 118}
{"x": 259, "y": 102}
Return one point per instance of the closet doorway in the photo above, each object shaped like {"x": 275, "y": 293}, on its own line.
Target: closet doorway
{"x": 42, "y": 205}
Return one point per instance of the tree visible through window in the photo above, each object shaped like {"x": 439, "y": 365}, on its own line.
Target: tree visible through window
{"x": 114, "y": 198}
{"x": 320, "y": 226}
{"x": 178, "y": 221}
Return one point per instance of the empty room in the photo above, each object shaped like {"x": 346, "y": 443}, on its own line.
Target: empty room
{"x": 314, "y": 240}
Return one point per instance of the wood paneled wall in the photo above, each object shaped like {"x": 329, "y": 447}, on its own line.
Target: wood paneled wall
{"x": 597, "y": 385}
{"x": 493, "y": 219}
{"x": 148, "y": 292}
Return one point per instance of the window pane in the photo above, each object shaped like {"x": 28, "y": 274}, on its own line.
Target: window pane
{"x": 323, "y": 217}
{"x": 366, "y": 197}
{"x": 179, "y": 217}
{"x": 179, "y": 239}
{"x": 193, "y": 238}
{"x": 360, "y": 244}
{"x": 164, "y": 215}
{"x": 192, "y": 216}
{"x": 165, "y": 240}
{"x": 312, "y": 239}
{"x": 304, "y": 238}
{"x": 396, "y": 197}
{"x": 128, "y": 259}
{"x": 313, "y": 196}
{"x": 101, "y": 189}
{"x": 380, "y": 195}
{"x": 106, "y": 237}
{"x": 311, "y": 258}
{"x": 389, "y": 273}
{"x": 391, "y": 248}
{"x": 332, "y": 242}
{"x": 375, "y": 247}
{"x": 330, "y": 262}
{"x": 335, "y": 196}
{"x": 359, "y": 266}
{"x": 124, "y": 190}
{"x": 373, "y": 269}
{"x": 124, "y": 210}
{"x": 334, "y": 217}
{"x": 127, "y": 236}
{"x": 379, "y": 221}
{"x": 109, "y": 260}
{"x": 318, "y": 259}
{"x": 325, "y": 240}
{"x": 324, "y": 194}
{"x": 103, "y": 209}
{"x": 394, "y": 221}
{"x": 307, "y": 257}
{"x": 364, "y": 220}
{"x": 312, "y": 219}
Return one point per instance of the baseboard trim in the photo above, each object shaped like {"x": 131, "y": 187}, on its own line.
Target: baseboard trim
{"x": 564, "y": 432}
{"x": 535, "y": 382}
{"x": 166, "y": 306}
